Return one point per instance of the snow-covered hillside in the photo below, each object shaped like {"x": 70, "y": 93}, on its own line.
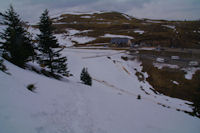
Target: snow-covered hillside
{"x": 109, "y": 106}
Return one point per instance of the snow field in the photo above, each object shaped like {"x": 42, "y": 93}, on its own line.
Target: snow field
{"x": 110, "y": 105}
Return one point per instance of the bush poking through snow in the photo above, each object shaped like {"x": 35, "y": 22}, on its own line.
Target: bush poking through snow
{"x": 124, "y": 58}
{"x": 85, "y": 77}
{"x": 108, "y": 57}
{"x": 196, "y": 106}
{"x": 138, "y": 97}
{"x": 2, "y": 66}
{"x": 31, "y": 87}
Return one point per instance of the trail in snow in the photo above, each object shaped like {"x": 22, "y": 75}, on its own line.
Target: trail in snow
{"x": 122, "y": 91}
{"x": 56, "y": 107}
{"x": 94, "y": 59}
{"x": 67, "y": 106}
{"x": 97, "y": 56}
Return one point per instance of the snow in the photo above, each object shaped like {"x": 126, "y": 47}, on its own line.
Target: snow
{"x": 85, "y": 31}
{"x": 139, "y": 31}
{"x": 170, "y": 26}
{"x": 193, "y": 63}
{"x": 175, "y": 82}
{"x": 162, "y": 65}
{"x": 160, "y": 60}
{"x": 147, "y": 48}
{"x": 60, "y": 23}
{"x": 75, "y": 13}
{"x": 67, "y": 39}
{"x": 154, "y": 21}
{"x": 54, "y": 107}
{"x": 82, "y": 39}
{"x": 127, "y": 16}
{"x": 84, "y": 13}
{"x": 33, "y": 31}
{"x": 2, "y": 28}
{"x": 190, "y": 71}
{"x": 116, "y": 36}
{"x": 109, "y": 106}
{"x": 195, "y": 31}
{"x": 72, "y": 32}
{"x": 64, "y": 40}
{"x": 115, "y": 72}
{"x": 86, "y": 17}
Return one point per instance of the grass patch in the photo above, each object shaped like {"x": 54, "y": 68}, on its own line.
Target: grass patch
{"x": 161, "y": 80}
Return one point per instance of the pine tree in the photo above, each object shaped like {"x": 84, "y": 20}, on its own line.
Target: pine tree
{"x": 17, "y": 46}
{"x": 50, "y": 58}
{"x": 85, "y": 77}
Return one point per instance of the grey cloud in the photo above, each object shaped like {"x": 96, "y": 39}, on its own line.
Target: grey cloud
{"x": 157, "y": 9}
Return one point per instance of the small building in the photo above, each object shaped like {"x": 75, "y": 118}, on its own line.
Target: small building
{"x": 121, "y": 42}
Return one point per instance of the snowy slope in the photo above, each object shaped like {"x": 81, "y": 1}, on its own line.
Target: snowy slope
{"x": 53, "y": 108}
{"x": 109, "y": 106}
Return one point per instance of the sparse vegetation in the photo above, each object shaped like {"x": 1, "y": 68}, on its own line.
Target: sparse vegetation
{"x": 125, "y": 58}
{"x": 31, "y": 87}
{"x": 140, "y": 76}
{"x": 161, "y": 79}
{"x": 139, "y": 97}
{"x": 155, "y": 34}
{"x": 2, "y": 66}
{"x": 85, "y": 77}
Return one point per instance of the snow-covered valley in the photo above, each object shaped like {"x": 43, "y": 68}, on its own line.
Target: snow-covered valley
{"x": 110, "y": 105}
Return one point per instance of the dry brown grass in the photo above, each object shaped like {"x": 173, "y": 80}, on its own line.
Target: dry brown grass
{"x": 161, "y": 80}
{"x": 182, "y": 53}
{"x": 115, "y": 23}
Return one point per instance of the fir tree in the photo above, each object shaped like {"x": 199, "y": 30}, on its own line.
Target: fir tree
{"x": 17, "y": 46}
{"x": 85, "y": 77}
{"x": 50, "y": 58}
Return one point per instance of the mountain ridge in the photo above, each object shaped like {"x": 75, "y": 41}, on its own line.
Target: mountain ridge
{"x": 180, "y": 34}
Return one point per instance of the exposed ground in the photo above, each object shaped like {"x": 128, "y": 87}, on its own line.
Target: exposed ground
{"x": 170, "y": 77}
{"x": 150, "y": 32}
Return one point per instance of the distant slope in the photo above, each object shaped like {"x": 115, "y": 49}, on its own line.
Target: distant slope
{"x": 153, "y": 32}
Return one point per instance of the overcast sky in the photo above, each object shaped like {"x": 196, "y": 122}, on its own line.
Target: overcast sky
{"x": 30, "y": 10}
